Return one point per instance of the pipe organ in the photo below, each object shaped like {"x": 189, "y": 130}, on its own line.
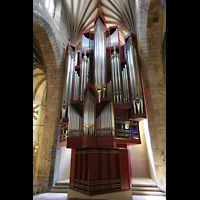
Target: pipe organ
{"x": 103, "y": 104}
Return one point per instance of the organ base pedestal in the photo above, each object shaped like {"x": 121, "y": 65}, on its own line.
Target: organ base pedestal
{"x": 125, "y": 195}
{"x": 100, "y": 171}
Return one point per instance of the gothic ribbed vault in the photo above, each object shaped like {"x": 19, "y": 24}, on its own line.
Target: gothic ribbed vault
{"x": 81, "y": 14}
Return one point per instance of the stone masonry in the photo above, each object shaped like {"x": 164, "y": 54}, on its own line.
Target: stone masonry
{"x": 150, "y": 49}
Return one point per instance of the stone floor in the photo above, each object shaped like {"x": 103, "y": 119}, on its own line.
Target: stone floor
{"x": 63, "y": 196}
{"x": 142, "y": 180}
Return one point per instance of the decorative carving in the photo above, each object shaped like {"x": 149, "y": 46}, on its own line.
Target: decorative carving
{"x": 71, "y": 52}
{"x": 99, "y": 23}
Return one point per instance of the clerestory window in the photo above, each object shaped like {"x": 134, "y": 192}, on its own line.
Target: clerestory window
{"x": 50, "y": 6}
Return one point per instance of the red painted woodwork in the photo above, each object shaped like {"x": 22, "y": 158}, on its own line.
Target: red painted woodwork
{"x": 123, "y": 168}
{"x": 73, "y": 168}
{"x": 105, "y": 166}
{"x": 114, "y": 169}
{"x": 63, "y": 144}
{"x": 99, "y": 13}
{"x": 127, "y": 141}
{"x": 88, "y": 141}
{"x": 63, "y": 121}
{"x": 138, "y": 117}
{"x": 74, "y": 142}
{"x": 99, "y": 171}
{"x": 105, "y": 141}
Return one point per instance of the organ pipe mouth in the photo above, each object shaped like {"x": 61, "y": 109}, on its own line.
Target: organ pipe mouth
{"x": 98, "y": 86}
{"x": 104, "y": 85}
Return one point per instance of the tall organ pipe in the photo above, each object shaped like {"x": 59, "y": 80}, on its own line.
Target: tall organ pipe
{"x": 135, "y": 82}
{"x": 76, "y": 86}
{"x": 69, "y": 79}
{"x": 84, "y": 73}
{"x": 133, "y": 72}
{"x": 119, "y": 82}
{"x": 75, "y": 82}
{"x": 137, "y": 74}
{"x": 99, "y": 56}
{"x": 116, "y": 78}
{"x": 124, "y": 86}
{"x": 95, "y": 61}
{"x": 126, "y": 82}
{"x": 113, "y": 80}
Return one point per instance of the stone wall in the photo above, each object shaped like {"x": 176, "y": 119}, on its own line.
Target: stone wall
{"x": 150, "y": 49}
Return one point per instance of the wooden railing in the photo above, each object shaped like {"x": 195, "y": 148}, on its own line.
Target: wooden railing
{"x": 127, "y": 129}
{"x": 123, "y": 129}
{"x": 64, "y": 133}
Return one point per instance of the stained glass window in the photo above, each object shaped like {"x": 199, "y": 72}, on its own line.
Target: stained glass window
{"x": 35, "y": 111}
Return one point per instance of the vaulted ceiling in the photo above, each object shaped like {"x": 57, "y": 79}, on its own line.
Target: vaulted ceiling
{"x": 80, "y": 16}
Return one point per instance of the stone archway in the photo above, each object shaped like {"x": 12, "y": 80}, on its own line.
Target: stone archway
{"x": 54, "y": 76}
{"x": 150, "y": 51}
{"x": 39, "y": 94}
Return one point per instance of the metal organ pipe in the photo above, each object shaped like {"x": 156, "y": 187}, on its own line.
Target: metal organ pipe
{"x": 69, "y": 79}
{"x": 119, "y": 82}
{"x": 113, "y": 80}
{"x": 137, "y": 73}
{"x": 99, "y": 56}
{"x": 88, "y": 114}
{"x": 135, "y": 83}
{"x": 124, "y": 86}
{"x": 76, "y": 86}
{"x": 75, "y": 82}
{"x": 95, "y": 54}
{"x": 107, "y": 120}
{"x": 133, "y": 71}
{"x": 103, "y": 61}
{"x": 126, "y": 83}
{"x": 84, "y": 73}
{"x": 73, "y": 124}
{"x": 116, "y": 78}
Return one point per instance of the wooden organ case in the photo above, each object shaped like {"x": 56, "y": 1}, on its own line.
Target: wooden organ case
{"x": 102, "y": 110}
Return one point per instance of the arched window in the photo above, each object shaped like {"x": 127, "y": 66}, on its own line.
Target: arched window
{"x": 50, "y": 6}
{"x": 35, "y": 111}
